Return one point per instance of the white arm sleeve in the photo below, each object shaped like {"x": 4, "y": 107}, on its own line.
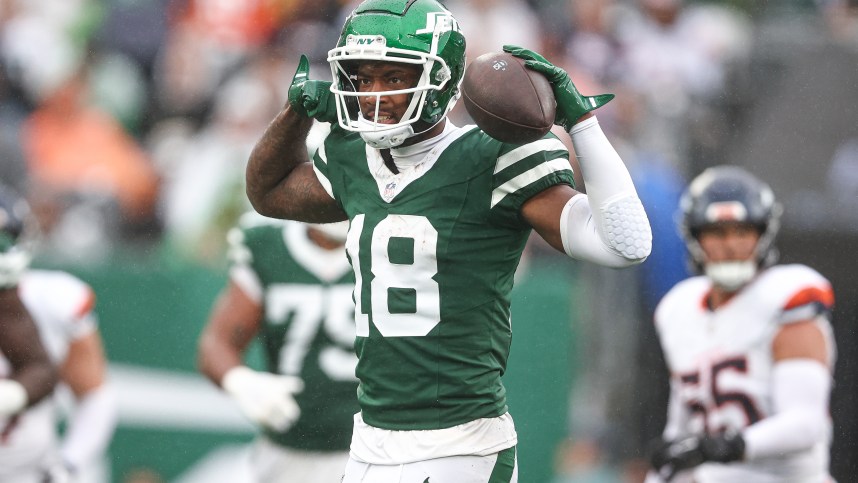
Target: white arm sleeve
{"x": 801, "y": 389}
{"x": 91, "y": 427}
{"x": 677, "y": 416}
{"x": 608, "y": 225}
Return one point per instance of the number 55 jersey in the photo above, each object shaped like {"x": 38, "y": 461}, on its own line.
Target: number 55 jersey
{"x": 721, "y": 363}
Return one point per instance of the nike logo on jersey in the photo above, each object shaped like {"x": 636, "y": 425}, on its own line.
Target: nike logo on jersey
{"x": 426, "y": 480}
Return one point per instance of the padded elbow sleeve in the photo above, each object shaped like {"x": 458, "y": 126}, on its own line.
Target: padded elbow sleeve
{"x": 611, "y": 207}
{"x": 625, "y": 238}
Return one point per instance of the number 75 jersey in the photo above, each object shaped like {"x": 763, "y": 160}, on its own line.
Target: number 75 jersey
{"x": 434, "y": 249}
{"x": 308, "y": 325}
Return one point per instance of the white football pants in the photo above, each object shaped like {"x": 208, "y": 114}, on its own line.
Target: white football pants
{"x": 500, "y": 467}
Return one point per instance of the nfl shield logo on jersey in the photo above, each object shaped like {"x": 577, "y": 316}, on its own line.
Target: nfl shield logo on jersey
{"x": 389, "y": 191}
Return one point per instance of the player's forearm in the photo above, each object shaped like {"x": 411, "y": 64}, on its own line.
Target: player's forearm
{"x": 800, "y": 395}
{"x": 32, "y": 384}
{"x": 90, "y": 427}
{"x": 279, "y": 151}
{"x": 608, "y": 225}
{"x": 677, "y": 415}
{"x": 216, "y": 358}
{"x": 21, "y": 344}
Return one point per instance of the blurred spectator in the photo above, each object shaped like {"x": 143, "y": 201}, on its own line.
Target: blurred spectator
{"x": 204, "y": 187}
{"x": 77, "y": 153}
{"x": 119, "y": 88}
{"x": 38, "y": 45}
{"x": 13, "y": 111}
{"x": 312, "y": 28}
{"x": 490, "y": 24}
{"x": 134, "y": 28}
{"x": 209, "y": 40}
{"x": 206, "y": 41}
{"x": 841, "y": 17}
{"x": 186, "y": 74}
{"x": 593, "y": 45}
{"x": 203, "y": 172}
{"x": 678, "y": 58}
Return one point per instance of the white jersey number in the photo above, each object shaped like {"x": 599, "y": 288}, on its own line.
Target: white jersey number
{"x": 415, "y": 275}
{"x": 312, "y": 306}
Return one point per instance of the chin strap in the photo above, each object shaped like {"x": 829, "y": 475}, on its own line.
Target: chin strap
{"x": 388, "y": 160}
{"x": 380, "y": 136}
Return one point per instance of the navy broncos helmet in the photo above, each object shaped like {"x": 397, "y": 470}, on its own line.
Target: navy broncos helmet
{"x": 14, "y": 223}
{"x": 730, "y": 193}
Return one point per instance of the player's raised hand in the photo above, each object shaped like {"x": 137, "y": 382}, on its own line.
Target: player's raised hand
{"x": 311, "y": 98}
{"x": 265, "y": 398}
{"x": 571, "y": 105}
{"x": 671, "y": 457}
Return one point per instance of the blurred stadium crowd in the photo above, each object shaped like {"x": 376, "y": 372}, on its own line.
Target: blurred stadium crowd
{"x": 143, "y": 112}
{"x": 128, "y": 124}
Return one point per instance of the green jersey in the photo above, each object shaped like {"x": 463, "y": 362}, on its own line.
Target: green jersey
{"x": 434, "y": 250}
{"x": 308, "y": 328}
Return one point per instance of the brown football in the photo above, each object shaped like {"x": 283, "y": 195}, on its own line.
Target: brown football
{"x": 508, "y": 101}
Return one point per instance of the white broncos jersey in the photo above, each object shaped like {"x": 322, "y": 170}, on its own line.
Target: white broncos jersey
{"x": 721, "y": 364}
{"x": 61, "y": 305}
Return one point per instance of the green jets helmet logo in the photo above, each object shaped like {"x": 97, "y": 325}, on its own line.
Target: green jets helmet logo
{"x": 440, "y": 22}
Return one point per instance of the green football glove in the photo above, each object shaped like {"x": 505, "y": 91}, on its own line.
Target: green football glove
{"x": 571, "y": 105}
{"x": 311, "y": 98}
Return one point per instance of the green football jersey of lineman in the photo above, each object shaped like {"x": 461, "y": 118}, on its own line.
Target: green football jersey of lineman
{"x": 308, "y": 329}
{"x": 434, "y": 257}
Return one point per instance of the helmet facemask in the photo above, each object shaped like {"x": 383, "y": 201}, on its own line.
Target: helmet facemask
{"x": 407, "y": 37}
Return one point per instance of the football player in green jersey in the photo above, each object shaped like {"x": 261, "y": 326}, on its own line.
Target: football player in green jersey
{"x": 290, "y": 284}
{"x": 439, "y": 216}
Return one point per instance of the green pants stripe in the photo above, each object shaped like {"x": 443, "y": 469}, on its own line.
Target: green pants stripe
{"x": 504, "y": 466}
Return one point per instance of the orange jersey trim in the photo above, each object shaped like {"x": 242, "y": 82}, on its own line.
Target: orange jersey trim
{"x": 824, "y": 295}
{"x": 88, "y": 304}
